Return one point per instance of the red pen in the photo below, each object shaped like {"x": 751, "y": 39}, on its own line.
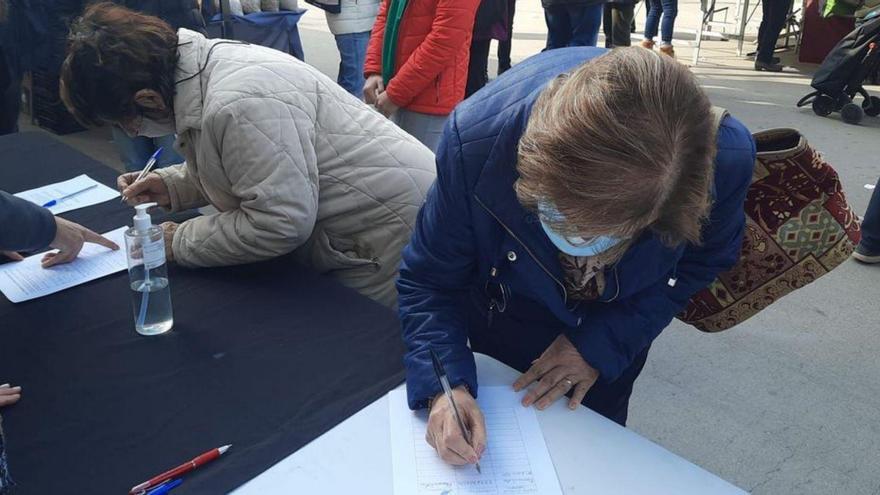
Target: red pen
{"x": 180, "y": 470}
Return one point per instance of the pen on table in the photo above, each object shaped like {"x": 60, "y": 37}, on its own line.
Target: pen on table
{"x": 180, "y": 470}
{"x": 447, "y": 390}
{"x": 149, "y": 166}
{"x": 68, "y": 196}
{"x": 165, "y": 487}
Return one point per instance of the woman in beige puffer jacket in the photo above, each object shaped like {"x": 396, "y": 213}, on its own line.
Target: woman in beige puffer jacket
{"x": 289, "y": 159}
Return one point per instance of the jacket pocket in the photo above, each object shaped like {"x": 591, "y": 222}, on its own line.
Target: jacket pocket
{"x": 342, "y": 252}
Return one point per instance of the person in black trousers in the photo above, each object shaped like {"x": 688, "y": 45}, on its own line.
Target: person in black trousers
{"x": 505, "y": 46}
{"x": 775, "y": 12}
{"x": 868, "y": 250}
{"x": 492, "y": 22}
{"x": 618, "y": 17}
{"x": 10, "y": 97}
{"x": 10, "y": 79}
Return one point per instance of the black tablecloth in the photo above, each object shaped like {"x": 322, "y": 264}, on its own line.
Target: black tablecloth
{"x": 265, "y": 356}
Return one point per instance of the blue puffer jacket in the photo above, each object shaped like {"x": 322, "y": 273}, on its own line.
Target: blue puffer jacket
{"x": 473, "y": 232}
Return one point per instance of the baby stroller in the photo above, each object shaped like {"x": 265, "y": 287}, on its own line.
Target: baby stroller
{"x": 841, "y": 75}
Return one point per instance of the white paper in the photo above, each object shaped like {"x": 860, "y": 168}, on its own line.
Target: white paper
{"x": 45, "y": 194}
{"x": 869, "y": 187}
{"x": 516, "y": 461}
{"x": 25, "y": 280}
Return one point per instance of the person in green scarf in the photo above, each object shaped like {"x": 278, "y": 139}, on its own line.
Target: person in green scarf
{"x": 417, "y": 63}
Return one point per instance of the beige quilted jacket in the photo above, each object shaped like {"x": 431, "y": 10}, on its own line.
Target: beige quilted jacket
{"x": 292, "y": 162}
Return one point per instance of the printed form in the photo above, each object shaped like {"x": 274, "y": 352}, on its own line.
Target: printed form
{"x": 516, "y": 461}
{"x": 25, "y": 280}
{"x": 82, "y": 191}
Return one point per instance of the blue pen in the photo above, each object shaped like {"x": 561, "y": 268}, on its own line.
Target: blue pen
{"x": 150, "y": 164}
{"x": 165, "y": 487}
{"x": 68, "y": 196}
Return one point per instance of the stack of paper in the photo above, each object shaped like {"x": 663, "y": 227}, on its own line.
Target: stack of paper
{"x": 93, "y": 192}
{"x": 516, "y": 461}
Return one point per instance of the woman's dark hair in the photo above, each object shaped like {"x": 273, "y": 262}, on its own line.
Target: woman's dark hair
{"x": 113, "y": 53}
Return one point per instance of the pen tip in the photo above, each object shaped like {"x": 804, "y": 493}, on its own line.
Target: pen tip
{"x": 478, "y": 468}
{"x": 224, "y": 448}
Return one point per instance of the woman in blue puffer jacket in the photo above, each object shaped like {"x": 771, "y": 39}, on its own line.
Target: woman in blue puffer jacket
{"x": 581, "y": 199}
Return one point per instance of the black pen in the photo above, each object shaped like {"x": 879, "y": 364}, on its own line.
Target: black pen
{"x": 444, "y": 382}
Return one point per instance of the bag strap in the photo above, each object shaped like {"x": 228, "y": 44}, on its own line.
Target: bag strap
{"x": 719, "y": 113}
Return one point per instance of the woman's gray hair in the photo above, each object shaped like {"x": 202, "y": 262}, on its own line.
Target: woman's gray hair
{"x": 624, "y": 143}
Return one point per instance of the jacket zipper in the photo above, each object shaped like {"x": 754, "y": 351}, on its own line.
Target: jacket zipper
{"x": 521, "y": 243}
{"x": 437, "y": 87}
{"x": 560, "y": 284}
{"x": 491, "y": 313}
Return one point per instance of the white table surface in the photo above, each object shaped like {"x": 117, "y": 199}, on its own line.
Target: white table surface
{"x": 592, "y": 455}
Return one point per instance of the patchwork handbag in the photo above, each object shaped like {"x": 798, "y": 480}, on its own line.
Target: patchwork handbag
{"x": 798, "y": 228}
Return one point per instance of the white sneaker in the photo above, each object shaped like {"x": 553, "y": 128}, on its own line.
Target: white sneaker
{"x": 865, "y": 256}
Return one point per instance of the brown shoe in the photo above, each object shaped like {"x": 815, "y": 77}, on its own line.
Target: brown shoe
{"x": 649, "y": 44}
{"x": 667, "y": 50}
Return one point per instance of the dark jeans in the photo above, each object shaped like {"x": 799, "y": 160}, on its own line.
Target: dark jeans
{"x": 871, "y": 224}
{"x": 505, "y": 46}
{"x": 774, "y": 14}
{"x": 478, "y": 67}
{"x": 669, "y": 10}
{"x": 572, "y": 25}
{"x": 617, "y": 20}
{"x": 524, "y": 331}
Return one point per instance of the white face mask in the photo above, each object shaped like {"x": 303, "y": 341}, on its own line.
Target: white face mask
{"x": 156, "y": 128}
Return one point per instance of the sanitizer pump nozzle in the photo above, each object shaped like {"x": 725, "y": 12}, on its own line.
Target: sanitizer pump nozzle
{"x": 142, "y": 219}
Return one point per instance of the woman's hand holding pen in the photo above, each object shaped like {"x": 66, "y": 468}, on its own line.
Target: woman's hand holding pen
{"x": 149, "y": 189}
{"x": 445, "y": 435}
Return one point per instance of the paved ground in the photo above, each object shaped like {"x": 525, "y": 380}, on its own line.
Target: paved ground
{"x": 787, "y": 402}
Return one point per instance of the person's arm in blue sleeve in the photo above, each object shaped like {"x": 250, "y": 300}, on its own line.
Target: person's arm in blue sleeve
{"x": 24, "y": 226}
{"x": 614, "y": 335}
{"x": 435, "y": 275}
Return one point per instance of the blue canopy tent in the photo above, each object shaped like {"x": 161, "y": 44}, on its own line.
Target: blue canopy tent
{"x": 276, "y": 30}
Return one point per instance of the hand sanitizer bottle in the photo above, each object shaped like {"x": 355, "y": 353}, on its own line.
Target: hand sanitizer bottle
{"x": 148, "y": 274}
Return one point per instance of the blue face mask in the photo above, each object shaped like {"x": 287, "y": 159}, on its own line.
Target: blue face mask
{"x": 574, "y": 246}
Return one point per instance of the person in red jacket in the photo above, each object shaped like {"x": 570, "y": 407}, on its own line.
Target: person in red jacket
{"x": 417, "y": 62}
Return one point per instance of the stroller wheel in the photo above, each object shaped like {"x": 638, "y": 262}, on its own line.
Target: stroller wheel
{"x": 823, "y": 105}
{"x": 852, "y": 113}
{"x": 871, "y": 106}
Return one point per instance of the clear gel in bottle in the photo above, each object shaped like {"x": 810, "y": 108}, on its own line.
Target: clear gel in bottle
{"x": 148, "y": 274}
